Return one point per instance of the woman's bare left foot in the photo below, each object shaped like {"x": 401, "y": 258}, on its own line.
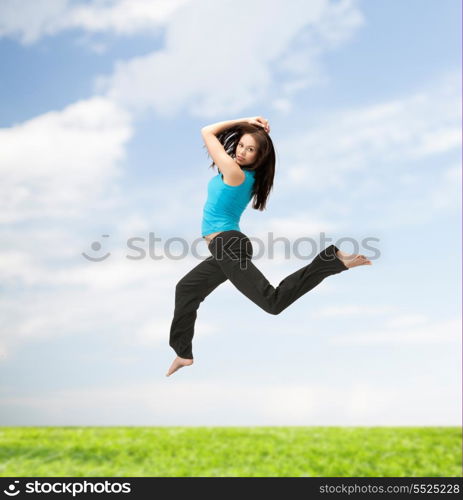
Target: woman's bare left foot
{"x": 352, "y": 260}
{"x": 178, "y": 363}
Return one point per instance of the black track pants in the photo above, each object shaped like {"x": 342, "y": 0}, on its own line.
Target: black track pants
{"x": 231, "y": 253}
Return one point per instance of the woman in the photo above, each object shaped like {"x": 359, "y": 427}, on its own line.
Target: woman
{"x": 244, "y": 155}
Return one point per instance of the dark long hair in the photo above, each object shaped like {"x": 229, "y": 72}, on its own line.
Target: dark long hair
{"x": 264, "y": 165}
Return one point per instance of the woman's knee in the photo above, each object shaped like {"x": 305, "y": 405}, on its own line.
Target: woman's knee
{"x": 273, "y": 309}
{"x": 188, "y": 295}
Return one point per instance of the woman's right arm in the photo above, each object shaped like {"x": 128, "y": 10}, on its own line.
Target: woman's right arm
{"x": 230, "y": 169}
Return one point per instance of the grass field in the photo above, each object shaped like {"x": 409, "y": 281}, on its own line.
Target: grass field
{"x": 231, "y": 451}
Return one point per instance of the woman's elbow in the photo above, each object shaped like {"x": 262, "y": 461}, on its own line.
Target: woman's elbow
{"x": 206, "y": 129}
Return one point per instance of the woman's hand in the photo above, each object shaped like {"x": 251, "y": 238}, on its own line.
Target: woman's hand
{"x": 261, "y": 122}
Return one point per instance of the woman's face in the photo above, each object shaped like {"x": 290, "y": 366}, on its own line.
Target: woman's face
{"x": 246, "y": 150}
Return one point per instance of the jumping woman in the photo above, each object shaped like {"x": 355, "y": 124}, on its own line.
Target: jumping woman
{"x": 244, "y": 155}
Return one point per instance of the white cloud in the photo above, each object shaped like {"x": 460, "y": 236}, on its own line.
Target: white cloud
{"x": 59, "y": 177}
{"x": 31, "y": 20}
{"x": 123, "y": 17}
{"x": 377, "y": 139}
{"x": 41, "y": 263}
{"x": 58, "y": 163}
{"x": 367, "y": 153}
{"x": 201, "y": 71}
{"x": 133, "y": 298}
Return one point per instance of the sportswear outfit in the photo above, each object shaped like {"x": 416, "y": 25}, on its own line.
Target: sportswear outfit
{"x": 231, "y": 253}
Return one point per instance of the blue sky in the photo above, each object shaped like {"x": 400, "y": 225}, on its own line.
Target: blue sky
{"x": 101, "y": 108}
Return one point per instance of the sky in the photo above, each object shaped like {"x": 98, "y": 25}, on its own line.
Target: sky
{"x": 102, "y": 103}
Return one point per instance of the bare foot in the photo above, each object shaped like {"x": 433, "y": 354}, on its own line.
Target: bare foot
{"x": 178, "y": 363}
{"x": 352, "y": 260}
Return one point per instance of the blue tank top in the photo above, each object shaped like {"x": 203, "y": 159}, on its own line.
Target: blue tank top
{"x": 225, "y": 203}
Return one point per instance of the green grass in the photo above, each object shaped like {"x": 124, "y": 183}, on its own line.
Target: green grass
{"x": 231, "y": 451}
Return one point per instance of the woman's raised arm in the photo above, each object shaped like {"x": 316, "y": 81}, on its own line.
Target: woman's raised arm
{"x": 227, "y": 165}
{"x": 218, "y": 127}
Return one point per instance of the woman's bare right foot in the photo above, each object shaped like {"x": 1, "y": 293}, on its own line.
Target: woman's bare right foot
{"x": 178, "y": 363}
{"x": 352, "y": 260}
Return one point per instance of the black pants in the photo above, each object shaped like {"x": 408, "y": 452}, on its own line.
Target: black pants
{"x": 231, "y": 253}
